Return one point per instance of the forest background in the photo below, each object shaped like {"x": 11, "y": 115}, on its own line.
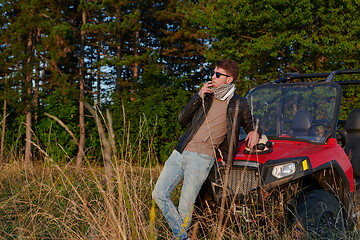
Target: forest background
{"x": 142, "y": 60}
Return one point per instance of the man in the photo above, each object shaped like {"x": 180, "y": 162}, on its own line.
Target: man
{"x": 214, "y": 116}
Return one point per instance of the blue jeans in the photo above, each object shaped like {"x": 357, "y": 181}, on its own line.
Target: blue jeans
{"x": 194, "y": 169}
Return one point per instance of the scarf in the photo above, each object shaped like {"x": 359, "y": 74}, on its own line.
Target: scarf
{"x": 224, "y": 92}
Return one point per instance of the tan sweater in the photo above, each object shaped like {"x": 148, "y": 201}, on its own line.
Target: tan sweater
{"x": 212, "y": 132}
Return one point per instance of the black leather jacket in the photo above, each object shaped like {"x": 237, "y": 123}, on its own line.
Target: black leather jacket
{"x": 238, "y": 114}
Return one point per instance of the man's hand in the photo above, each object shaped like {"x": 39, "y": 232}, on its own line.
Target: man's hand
{"x": 252, "y": 139}
{"x": 206, "y": 89}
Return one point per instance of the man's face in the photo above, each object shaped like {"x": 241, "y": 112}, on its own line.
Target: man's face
{"x": 220, "y": 77}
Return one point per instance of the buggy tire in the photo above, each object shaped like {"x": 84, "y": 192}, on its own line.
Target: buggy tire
{"x": 318, "y": 216}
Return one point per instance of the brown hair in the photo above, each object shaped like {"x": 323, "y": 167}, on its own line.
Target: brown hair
{"x": 230, "y": 66}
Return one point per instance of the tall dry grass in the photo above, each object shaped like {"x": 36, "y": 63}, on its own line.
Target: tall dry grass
{"x": 63, "y": 202}
{"x": 60, "y": 201}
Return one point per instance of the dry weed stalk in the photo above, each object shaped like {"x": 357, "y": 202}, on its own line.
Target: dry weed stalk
{"x": 123, "y": 188}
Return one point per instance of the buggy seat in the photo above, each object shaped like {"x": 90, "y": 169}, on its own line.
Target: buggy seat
{"x": 301, "y": 123}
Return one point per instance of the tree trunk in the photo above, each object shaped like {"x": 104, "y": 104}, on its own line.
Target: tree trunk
{"x": 136, "y": 54}
{"x": 28, "y": 108}
{"x": 3, "y": 127}
{"x": 98, "y": 79}
{"x": 118, "y": 68}
{"x": 81, "y": 146}
{"x": 37, "y": 80}
{"x": 28, "y": 138}
{"x": 36, "y": 95}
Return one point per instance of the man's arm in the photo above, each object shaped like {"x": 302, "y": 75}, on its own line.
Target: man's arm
{"x": 248, "y": 124}
{"x": 196, "y": 101}
{"x": 187, "y": 113}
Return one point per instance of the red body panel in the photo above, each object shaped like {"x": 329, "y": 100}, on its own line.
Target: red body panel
{"x": 318, "y": 154}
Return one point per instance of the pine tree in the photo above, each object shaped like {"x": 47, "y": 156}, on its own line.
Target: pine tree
{"x": 270, "y": 38}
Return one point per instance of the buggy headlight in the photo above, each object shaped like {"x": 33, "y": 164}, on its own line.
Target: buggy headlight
{"x": 284, "y": 170}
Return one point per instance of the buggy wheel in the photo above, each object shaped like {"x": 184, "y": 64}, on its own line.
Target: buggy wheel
{"x": 318, "y": 215}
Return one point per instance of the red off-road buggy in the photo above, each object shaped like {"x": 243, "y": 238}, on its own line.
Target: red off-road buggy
{"x": 307, "y": 160}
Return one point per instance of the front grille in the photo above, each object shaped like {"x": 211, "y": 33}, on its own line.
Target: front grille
{"x": 243, "y": 180}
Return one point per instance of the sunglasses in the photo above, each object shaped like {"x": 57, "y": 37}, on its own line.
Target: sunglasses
{"x": 261, "y": 146}
{"x": 218, "y": 74}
